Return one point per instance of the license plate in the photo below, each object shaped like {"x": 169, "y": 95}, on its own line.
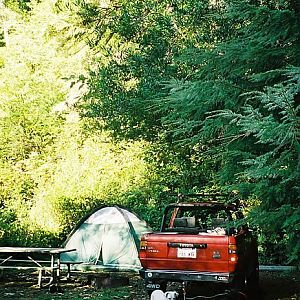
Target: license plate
{"x": 187, "y": 252}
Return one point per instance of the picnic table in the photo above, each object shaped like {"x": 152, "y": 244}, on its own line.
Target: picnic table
{"x": 24, "y": 258}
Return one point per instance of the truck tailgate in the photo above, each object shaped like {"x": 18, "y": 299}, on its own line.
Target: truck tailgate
{"x": 202, "y": 252}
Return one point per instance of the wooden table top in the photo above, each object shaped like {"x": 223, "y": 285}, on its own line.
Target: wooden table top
{"x": 34, "y": 250}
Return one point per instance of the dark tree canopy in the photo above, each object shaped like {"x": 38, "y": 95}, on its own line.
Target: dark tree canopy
{"x": 198, "y": 96}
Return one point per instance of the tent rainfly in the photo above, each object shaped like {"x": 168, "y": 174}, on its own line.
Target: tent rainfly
{"x": 108, "y": 238}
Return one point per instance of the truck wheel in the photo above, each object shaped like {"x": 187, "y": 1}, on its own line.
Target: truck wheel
{"x": 247, "y": 278}
{"x": 239, "y": 282}
{"x": 253, "y": 290}
{"x": 252, "y": 277}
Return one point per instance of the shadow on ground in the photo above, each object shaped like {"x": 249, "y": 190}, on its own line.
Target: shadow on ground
{"x": 274, "y": 286}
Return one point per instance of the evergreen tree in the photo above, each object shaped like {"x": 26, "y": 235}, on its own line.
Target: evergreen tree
{"x": 270, "y": 166}
{"x": 256, "y": 147}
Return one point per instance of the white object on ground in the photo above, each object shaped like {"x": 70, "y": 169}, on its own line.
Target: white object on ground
{"x": 171, "y": 295}
{"x": 158, "y": 295}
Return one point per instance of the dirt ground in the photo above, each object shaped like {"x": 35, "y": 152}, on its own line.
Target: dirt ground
{"x": 284, "y": 286}
{"x": 274, "y": 286}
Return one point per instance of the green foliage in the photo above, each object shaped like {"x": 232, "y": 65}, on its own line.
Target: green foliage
{"x": 254, "y": 140}
{"x": 135, "y": 59}
{"x": 170, "y": 172}
{"x": 183, "y": 96}
{"x": 30, "y": 86}
{"x": 258, "y": 41}
{"x": 132, "y": 63}
{"x": 84, "y": 172}
{"x": 18, "y": 5}
{"x": 272, "y": 171}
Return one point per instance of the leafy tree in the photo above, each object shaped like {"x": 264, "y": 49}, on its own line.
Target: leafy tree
{"x": 270, "y": 171}
{"x": 170, "y": 73}
{"x": 259, "y": 41}
{"x": 137, "y": 43}
{"x": 33, "y": 65}
{"x": 53, "y": 172}
{"x": 201, "y": 95}
{"x": 246, "y": 73}
{"x": 84, "y": 172}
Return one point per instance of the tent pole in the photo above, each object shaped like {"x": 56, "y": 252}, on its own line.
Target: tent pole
{"x": 131, "y": 228}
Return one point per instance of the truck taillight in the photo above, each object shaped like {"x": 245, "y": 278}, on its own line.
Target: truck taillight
{"x": 232, "y": 251}
{"x": 233, "y": 258}
{"x": 143, "y": 245}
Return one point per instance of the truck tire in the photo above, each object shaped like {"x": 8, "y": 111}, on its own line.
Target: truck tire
{"x": 247, "y": 280}
{"x": 253, "y": 289}
{"x": 252, "y": 277}
{"x": 239, "y": 281}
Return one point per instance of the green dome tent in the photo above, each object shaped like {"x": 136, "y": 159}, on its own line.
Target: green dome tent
{"x": 108, "y": 238}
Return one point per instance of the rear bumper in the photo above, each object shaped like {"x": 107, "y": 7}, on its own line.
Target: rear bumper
{"x": 178, "y": 275}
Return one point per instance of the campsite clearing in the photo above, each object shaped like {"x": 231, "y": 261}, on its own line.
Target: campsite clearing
{"x": 275, "y": 285}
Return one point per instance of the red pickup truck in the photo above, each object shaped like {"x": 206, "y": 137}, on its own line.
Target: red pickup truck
{"x": 200, "y": 242}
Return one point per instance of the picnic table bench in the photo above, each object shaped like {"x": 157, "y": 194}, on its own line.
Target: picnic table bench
{"x": 25, "y": 258}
